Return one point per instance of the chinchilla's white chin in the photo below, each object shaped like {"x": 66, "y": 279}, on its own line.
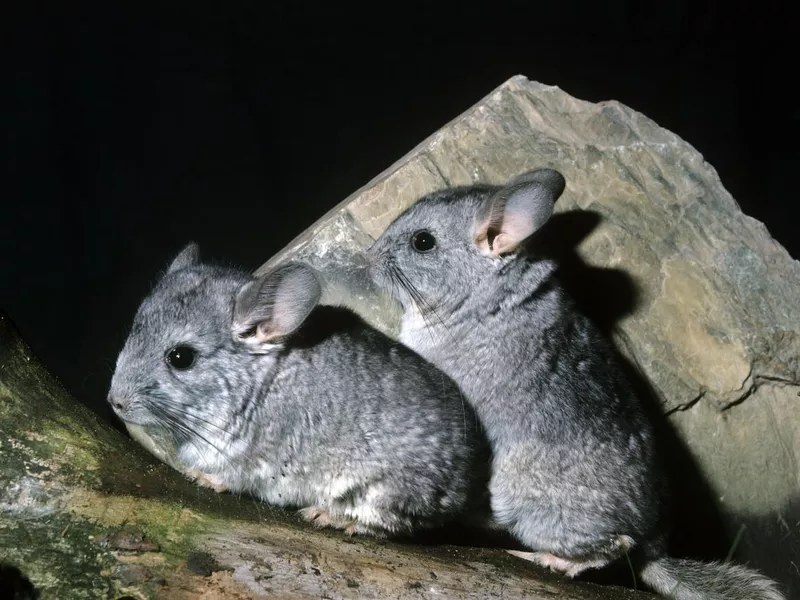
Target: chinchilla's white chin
{"x": 414, "y": 329}
{"x": 156, "y": 442}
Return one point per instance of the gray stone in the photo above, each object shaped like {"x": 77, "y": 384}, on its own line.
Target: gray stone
{"x": 715, "y": 326}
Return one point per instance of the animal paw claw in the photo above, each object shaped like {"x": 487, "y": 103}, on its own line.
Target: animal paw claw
{"x": 206, "y": 480}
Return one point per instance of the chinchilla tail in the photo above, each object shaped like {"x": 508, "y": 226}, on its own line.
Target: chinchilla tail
{"x": 683, "y": 579}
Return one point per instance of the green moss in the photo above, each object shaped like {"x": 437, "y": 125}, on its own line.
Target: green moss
{"x": 57, "y": 554}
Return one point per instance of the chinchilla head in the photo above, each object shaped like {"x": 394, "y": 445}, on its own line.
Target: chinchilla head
{"x": 201, "y": 343}
{"x": 446, "y": 245}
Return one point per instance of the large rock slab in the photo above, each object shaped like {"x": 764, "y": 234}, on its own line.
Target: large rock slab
{"x": 698, "y": 295}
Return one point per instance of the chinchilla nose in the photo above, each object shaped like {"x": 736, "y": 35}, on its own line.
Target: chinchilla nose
{"x": 118, "y": 402}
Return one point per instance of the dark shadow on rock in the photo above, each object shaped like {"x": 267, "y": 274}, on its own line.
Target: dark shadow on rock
{"x": 14, "y": 585}
{"x": 774, "y": 540}
{"x": 696, "y": 525}
{"x": 605, "y": 296}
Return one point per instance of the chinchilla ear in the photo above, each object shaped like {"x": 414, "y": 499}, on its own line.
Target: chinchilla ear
{"x": 275, "y": 304}
{"x": 188, "y": 257}
{"x": 517, "y": 210}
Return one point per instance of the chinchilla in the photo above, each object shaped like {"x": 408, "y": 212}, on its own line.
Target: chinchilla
{"x": 574, "y": 477}
{"x": 266, "y": 393}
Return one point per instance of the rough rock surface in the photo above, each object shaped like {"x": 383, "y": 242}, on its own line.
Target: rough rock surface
{"x": 699, "y": 297}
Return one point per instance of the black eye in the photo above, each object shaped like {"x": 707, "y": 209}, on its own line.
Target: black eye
{"x": 181, "y": 357}
{"x": 423, "y": 241}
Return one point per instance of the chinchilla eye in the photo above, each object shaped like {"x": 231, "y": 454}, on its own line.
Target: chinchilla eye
{"x": 423, "y": 241}
{"x": 181, "y": 357}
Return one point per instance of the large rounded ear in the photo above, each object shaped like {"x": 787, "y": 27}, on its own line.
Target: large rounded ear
{"x": 517, "y": 210}
{"x": 550, "y": 178}
{"x": 276, "y": 304}
{"x": 188, "y": 257}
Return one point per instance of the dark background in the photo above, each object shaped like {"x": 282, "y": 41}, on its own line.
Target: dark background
{"x": 131, "y": 128}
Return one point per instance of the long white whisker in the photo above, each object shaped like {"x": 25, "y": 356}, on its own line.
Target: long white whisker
{"x": 425, "y": 309}
{"x": 399, "y": 279}
{"x": 195, "y": 427}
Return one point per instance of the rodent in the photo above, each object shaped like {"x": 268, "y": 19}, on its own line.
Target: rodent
{"x": 266, "y": 393}
{"x": 575, "y": 476}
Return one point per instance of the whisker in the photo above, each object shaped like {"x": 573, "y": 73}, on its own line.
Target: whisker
{"x": 204, "y": 425}
{"x": 177, "y": 426}
{"x": 196, "y": 428}
{"x": 398, "y": 278}
{"x": 426, "y": 310}
{"x": 199, "y": 419}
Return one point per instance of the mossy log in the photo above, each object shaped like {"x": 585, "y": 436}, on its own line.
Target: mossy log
{"x": 85, "y": 512}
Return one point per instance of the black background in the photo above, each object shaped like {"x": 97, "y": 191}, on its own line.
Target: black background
{"x": 131, "y": 128}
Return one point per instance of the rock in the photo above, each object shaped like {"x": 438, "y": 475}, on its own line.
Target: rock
{"x": 698, "y": 295}
{"x": 86, "y": 513}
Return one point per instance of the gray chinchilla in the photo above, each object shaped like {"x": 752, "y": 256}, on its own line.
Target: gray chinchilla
{"x": 305, "y": 406}
{"x": 574, "y": 475}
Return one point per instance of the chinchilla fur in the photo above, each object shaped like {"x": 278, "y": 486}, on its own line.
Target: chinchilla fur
{"x": 304, "y": 406}
{"x": 575, "y": 477}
